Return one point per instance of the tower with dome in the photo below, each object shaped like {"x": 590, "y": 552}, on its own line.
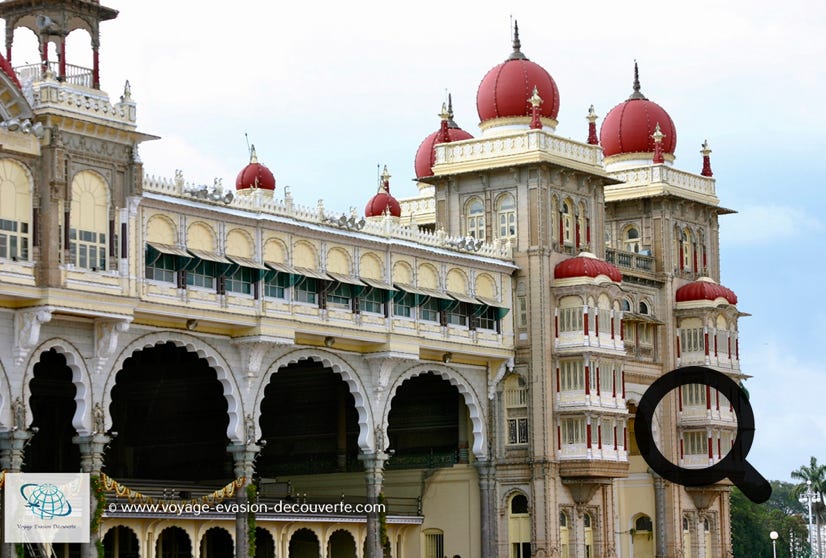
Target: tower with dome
{"x": 469, "y": 358}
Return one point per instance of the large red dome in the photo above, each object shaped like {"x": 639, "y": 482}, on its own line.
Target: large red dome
{"x": 255, "y": 175}
{"x": 505, "y": 90}
{"x": 449, "y": 131}
{"x": 586, "y": 265}
{"x": 704, "y": 289}
{"x": 629, "y": 126}
{"x": 383, "y": 203}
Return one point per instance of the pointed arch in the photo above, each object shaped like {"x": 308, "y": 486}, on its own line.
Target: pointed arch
{"x": 472, "y": 401}
{"x": 82, "y": 419}
{"x": 366, "y": 441}
{"x": 232, "y": 393}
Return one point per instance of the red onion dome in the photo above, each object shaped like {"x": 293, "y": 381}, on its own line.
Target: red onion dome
{"x": 505, "y": 90}
{"x": 255, "y": 175}
{"x": 447, "y": 132}
{"x": 586, "y": 265}
{"x": 705, "y": 288}
{"x": 5, "y": 66}
{"x": 629, "y": 126}
{"x": 383, "y": 203}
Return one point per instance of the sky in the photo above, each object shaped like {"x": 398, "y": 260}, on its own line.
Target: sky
{"x": 329, "y": 91}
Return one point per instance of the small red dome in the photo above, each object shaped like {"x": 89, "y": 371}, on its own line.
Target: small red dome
{"x": 586, "y": 265}
{"x": 383, "y": 203}
{"x": 255, "y": 175}
{"x": 505, "y": 90}
{"x": 448, "y": 132}
{"x": 629, "y": 126}
{"x": 7, "y": 69}
{"x": 705, "y": 289}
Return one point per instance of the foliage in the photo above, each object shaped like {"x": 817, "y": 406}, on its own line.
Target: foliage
{"x": 816, "y": 473}
{"x": 252, "y": 497}
{"x": 100, "y": 505}
{"x": 751, "y": 524}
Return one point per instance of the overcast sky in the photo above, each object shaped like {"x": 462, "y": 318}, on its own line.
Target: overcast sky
{"x": 328, "y": 91}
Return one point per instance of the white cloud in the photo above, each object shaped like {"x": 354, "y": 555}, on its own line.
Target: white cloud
{"x": 764, "y": 224}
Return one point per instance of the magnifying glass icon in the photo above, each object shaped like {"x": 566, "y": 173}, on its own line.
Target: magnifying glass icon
{"x": 734, "y": 465}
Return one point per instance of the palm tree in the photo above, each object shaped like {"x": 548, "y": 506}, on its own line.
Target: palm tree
{"x": 816, "y": 474}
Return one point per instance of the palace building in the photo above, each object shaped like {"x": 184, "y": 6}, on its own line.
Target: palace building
{"x": 470, "y": 358}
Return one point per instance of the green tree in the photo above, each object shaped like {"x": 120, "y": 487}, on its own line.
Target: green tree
{"x": 815, "y": 474}
{"x": 751, "y": 524}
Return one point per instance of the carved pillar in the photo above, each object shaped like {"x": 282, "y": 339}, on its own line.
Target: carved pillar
{"x": 243, "y": 456}
{"x": 91, "y": 461}
{"x": 463, "y": 431}
{"x": 374, "y": 475}
{"x": 487, "y": 485}
{"x": 12, "y": 445}
{"x": 341, "y": 427}
{"x": 659, "y": 512}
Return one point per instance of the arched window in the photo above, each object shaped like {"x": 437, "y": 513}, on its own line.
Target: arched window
{"x": 564, "y": 540}
{"x": 643, "y": 536}
{"x": 589, "y": 535}
{"x": 88, "y": 221}
{"x": 15, "y": 211}
{"x": 476, "y": 219}
{"x": 626, "y": 305}
{"x": 519, "y": 527}
{"x": 686, "y": 539}
{"x": 516, "y": 408}
{"x": 506, "y": 216}
{"x": 567, "y": 223}
{"x": 434, "y": 543}
{"x": 688, "y": 249}
{"x": 631, "y": 240}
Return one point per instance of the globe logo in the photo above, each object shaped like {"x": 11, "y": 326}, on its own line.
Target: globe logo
{"x": 45, "y": 500}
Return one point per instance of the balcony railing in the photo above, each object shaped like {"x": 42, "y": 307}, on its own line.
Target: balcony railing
{"x": 630, "y": 260}
{"x": 75, "y": 75}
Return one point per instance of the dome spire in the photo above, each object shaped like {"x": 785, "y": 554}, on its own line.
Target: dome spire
{"x": 592, "y": 126}
{"x": 706, "y": 152}
{"x": 385, "y": 181}
{"x": 450, "y": 122}
{"x": 636, "y": 94}
{"x": 516, "y": 54}
{"x": 444, "y": 135}
{"x": 253, "y": 154}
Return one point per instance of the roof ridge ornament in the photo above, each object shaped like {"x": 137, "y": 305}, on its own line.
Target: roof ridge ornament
{"x": 450, "y": 122}
{"x": 516, "y": 54}
{"x": 706, "y": 152}
{"x": 385, "y": 181}
{"x": 592, "y": 126}
{"x": 253, "y": 154}
{"x": 637, "y": 94}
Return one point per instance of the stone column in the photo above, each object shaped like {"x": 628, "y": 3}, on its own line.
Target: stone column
{"x": 91, "y": 461}
{"x": 243, "y": 456}
{"x": 659, "y": 512}
{"x": 12, "y": 445}
{"x": 487, "y": 485}
{"x": 374, "y": 475}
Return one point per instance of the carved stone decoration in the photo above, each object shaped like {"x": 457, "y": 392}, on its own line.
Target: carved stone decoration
{"x": 703, "y": 497}
{"x": 106, "y": 336}
{"x": 382, "y": 365}
{"x": 253, "y": 349}
{"x": 582, "y": 490}
{"x": 504, "y": 368}
{"x": 27, "y": 331}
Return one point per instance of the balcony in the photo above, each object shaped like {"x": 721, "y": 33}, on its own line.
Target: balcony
{"x": 75, "y": 75}
{"x": 580, "y": 327}
{"x": 630, "y": 260}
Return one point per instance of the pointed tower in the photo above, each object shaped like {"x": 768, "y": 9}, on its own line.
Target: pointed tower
{"x": 52, "y": 21}
{"x": 88, "y": 155}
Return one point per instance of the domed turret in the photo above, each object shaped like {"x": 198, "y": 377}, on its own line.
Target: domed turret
{"x": 383, "y": 203}
{"x": 504, "y": 93}
{"x": 254, "y": 176}
{"x": 704, "y": 288}
{"x": 447, "y": 132}
{"x": 586, "y": 265}
{"x": 630, "y": 126}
